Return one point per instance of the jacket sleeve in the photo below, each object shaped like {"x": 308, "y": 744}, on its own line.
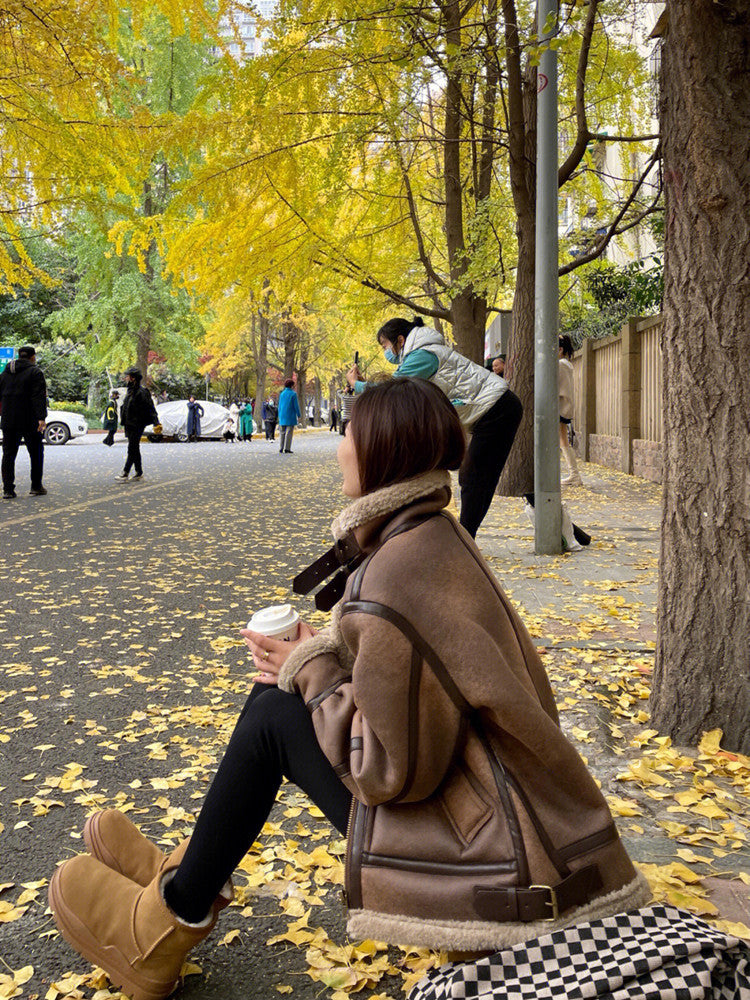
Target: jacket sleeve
{"x": 387, "y": 727}
{"x": 39, "y": 395}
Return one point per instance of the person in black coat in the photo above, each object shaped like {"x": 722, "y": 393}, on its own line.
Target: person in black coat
{"x": 138, "y": 411}
{"x": 23, "y": 403}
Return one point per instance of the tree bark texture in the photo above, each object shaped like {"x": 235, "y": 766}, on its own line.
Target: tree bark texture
{"x": 702, "y": 672}
{"x": 518, "y": 475}
{"x": 259, "y": 336}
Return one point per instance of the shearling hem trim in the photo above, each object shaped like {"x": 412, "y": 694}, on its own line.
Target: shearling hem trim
{"x": 390, "y": 498}
{"x": 323, "y": 642}
{"x": 480, "y": 935}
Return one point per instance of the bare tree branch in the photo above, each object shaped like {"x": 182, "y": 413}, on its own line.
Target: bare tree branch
{"x": 614, "y": 229}
{"x": 582, "y": 134}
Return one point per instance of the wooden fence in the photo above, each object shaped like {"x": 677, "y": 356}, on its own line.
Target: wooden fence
{"x": 618, "y": 416}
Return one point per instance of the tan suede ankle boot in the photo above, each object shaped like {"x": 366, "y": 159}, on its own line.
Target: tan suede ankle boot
{"x": 111, "y": 838}
{"x": 125, "y": 928}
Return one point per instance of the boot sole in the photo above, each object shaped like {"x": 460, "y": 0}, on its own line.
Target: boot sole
{"x": 107, "y": 957}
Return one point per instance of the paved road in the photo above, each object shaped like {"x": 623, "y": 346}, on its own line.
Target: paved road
{"x": 119, "y": 682}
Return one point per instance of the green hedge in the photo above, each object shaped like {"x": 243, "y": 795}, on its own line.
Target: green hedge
{"x": 93, "y": 418}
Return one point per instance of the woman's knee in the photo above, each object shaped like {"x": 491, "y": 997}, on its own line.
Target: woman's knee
{"x": 273, "y": 712}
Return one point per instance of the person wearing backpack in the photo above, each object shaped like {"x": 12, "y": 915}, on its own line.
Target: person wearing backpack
{"x": 109, "y": 419}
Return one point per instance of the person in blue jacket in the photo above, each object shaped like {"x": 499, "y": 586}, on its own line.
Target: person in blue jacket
{"x": 289, "y": 414}
{"x": 489, "y": 412}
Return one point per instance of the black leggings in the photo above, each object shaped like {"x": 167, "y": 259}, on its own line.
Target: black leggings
{"x": 273, "y": 739}
{"x": 491, "y": 440}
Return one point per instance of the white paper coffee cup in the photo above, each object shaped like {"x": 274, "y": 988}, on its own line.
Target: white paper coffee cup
{"x": 279, "y": 621}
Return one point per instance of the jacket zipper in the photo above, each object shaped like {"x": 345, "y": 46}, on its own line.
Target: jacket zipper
{"x": 353, "y": 864}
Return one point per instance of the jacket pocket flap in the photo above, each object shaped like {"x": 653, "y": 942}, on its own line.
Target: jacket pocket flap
{"x": 465, "y": 807}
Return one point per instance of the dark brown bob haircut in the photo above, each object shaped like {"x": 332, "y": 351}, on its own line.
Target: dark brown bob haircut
{"x": 402, "y": 428}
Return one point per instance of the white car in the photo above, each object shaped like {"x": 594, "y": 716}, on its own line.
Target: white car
{"x": 62, "y": 425}
{"x": 173, "y": 419}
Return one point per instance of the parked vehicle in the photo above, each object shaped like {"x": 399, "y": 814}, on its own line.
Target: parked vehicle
{"x": 173, "y": 420}
{"x": 62, "y": 425}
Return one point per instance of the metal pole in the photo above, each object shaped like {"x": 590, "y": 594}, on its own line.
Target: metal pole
{"x": 548, "y": 512}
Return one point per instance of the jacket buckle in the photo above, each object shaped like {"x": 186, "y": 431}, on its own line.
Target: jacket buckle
{"x": 551, "y": 902}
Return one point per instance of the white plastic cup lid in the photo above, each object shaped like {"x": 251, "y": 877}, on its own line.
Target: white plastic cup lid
{"x": 273, "y": 620}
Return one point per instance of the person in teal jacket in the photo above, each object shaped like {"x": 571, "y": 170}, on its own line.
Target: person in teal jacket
{"x": 489, "y": 412}
{"x": 289, "y": 414}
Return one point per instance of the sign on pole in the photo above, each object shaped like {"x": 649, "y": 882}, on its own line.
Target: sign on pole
{"x": 7, "y": 354}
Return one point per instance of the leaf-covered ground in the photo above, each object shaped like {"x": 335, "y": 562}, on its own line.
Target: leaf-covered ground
{"x": 121, "y": 674}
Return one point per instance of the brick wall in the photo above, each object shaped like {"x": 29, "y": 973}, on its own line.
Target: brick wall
{"x": 647, "y": 460}
{"x": 605, "y": 449}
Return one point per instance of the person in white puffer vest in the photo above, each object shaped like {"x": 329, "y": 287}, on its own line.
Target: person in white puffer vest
{"x": 489, "y": 411}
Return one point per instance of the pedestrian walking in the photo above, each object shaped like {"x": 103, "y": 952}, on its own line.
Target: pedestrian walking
{"x": 289, "y": 414}
{"x": 138, "y": 411}
{"x": 421, "y": 722}
{"x": 334, "y": 419}
{"x": 567, "y": 408}
{"x": 195, "y": 412}
{"x": 486, "y": 407}
{"x": 109, "y": 418}
{"x": 270, "y": 416}
{"x": 23, "y": 411}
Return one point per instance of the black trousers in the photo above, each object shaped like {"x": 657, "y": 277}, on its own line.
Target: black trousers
{"x": 489, "y": 447}
{"x": 273, "y": 739}
{"x": 134, "y": 450}
{"x": 110, "y": 435}
{"x": 12, "y": 437}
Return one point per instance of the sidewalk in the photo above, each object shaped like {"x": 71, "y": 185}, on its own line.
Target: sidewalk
{"x": 683, "y": 813}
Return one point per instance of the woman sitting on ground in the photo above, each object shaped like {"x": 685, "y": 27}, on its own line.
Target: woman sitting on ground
{"x": 421, "y": 722}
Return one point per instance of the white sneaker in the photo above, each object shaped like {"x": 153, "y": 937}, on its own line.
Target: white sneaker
{"x": 572, "y": 480}
{"x": 122, "y": 475}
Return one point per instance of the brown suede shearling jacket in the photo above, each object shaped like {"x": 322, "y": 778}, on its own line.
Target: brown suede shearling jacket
{"x": 475, "y": 824}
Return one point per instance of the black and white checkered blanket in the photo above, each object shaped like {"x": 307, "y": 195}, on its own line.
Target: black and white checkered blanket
{"x": 657, "y": 952}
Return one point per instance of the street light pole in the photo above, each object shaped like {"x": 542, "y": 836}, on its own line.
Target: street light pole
{"x": 547, "y": 507}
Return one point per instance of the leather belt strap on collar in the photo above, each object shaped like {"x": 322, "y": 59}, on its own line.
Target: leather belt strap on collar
{"x": 537, "y": 902}
{"x": 343, "y": 553}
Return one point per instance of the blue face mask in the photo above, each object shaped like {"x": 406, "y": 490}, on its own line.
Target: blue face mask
{"x": 390, "y": 356}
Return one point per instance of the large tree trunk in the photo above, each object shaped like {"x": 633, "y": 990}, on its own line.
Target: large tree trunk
{"x": 142, "y": 351}
{"x": 259, "y": 337}
{"x": 468, "y": 323}
{"x": 702, "y": 675}
{"x": 518, "y": 475}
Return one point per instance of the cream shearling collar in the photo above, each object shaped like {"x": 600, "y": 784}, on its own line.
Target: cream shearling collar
{"x": 388, "y": 500}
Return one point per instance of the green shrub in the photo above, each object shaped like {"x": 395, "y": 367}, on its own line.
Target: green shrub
{"x": 93, "y": 417}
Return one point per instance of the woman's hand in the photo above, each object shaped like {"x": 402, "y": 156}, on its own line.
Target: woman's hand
{"x": 353, "y": 375}
{"x": 269, "y": 655}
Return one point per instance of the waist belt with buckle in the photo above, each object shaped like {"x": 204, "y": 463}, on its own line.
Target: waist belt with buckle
{"x": 537, "y": 902}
